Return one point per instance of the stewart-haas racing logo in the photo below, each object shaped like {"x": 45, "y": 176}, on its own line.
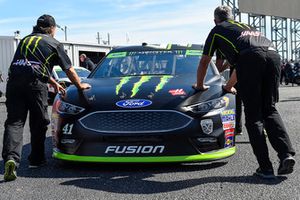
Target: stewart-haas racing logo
{"x": 135, "y": 149}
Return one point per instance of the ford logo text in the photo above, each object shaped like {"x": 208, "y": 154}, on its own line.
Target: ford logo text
{"x": 134, "y": 103}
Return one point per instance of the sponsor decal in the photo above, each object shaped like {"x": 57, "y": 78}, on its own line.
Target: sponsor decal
{"x": 117, "y": 55}
{"x": 228, "y": 112}
{"x": 135, "y": 149}
{"x": 228, "y": 125}
{"x": 229, "y": 138}
{"x": 134, "y": 103}
{"x": 137, "y": 85}
{"x": 123, "y": 81}
{"x": 251, "y": 33}
{"x": 228, "y": 119}
{"x": 207, "y": 126}
{"x": 193, "y": 52}
{"x": 177, "y": 92}
{"x": 163, "y": 81}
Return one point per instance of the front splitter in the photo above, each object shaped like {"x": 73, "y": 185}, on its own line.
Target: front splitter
{"x": 209, "y": 156}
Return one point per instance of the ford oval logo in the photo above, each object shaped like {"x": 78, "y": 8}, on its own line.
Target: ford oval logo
{"x": 134, "y": 103}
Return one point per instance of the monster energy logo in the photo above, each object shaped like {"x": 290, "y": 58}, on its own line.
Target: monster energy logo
{"x": 163, "y": 81}
{"x": 137, "y": 85}
{"x": 29, "y": 43}
{"x": 122, "y": 82}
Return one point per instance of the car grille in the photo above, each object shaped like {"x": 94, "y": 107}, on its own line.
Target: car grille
{"x": 140, "y": 121}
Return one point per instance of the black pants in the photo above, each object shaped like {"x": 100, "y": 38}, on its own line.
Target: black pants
{"x": 23, "y": 96}
{"x": 238, "y": 120}
{"x": 258, "y": 73}
{"x": 238, "y": 107}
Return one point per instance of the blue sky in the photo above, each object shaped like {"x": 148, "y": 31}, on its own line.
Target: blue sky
{"x": 127, "y": 21}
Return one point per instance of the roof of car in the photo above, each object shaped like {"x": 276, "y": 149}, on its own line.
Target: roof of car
{"x": 150, "y": 47}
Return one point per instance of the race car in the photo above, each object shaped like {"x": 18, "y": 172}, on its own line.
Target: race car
{"x": 142, "y": 108}
{"x": 60, "y": 76}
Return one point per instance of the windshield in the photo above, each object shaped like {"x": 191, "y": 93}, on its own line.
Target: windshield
{"x": 82, "y": 73}
{"x": 160, "y": 62}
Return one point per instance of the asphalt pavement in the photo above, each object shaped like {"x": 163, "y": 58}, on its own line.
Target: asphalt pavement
{"x": 227, "y": 179}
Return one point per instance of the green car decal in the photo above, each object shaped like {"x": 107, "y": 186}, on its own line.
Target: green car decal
{"x": 117, "y": 55}
{"x": 193, "y": 52}
{"x": 209, "y": 156}
{"x": 123, "y": 81}
{"x": 136, "y": 87}
{"x": 138, "y": 84}
{"x": 163, "y": 81}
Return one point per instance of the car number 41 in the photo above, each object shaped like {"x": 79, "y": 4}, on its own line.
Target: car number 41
{"x": 67, "y": 129}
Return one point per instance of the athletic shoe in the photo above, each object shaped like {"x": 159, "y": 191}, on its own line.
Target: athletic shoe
{"x": 286, "y": 166}
{"x": 35, "y": 165}
{"x": 265, "y": 174}
{"x": 10, "y": 173}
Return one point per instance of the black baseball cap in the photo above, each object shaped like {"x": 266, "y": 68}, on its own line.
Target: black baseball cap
{"x": 45, "y": 21}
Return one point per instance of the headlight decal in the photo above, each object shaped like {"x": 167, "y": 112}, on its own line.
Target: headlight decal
{"x": 67, "y": 108}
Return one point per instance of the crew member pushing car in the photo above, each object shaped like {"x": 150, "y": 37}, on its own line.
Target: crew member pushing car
{"x": 258, "y": 72}
{"x": 26, "y": 91}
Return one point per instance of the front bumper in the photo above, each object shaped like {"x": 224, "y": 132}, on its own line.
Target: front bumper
{"x": 209, "y": 156}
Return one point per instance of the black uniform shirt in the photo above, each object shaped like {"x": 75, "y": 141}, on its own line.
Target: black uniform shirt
{"x": 37, "y": 54}
{"x": 231, "y": 37}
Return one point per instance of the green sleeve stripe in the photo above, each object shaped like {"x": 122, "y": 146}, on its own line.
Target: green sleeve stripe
{"x": 232, "y": 45}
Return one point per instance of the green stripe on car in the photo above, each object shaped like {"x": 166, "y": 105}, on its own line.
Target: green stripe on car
{"x": 215, "y": 155}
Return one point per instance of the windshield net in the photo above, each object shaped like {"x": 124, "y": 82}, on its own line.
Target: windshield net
{"x": 161, "y": 62}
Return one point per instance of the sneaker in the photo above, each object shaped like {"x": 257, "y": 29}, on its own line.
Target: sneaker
{"x": 37, "y": 164}
{"x": 266, "y": 174}
{"x": 286, "y": 165}
{"x": 10, "y": 173}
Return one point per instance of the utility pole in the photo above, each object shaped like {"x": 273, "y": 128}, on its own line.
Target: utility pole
{"x": 108, "y": 38}
{"x": 98, "y": 37}
{"x": 64, "y": 30}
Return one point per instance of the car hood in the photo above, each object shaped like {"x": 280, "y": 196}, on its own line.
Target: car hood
{"x": 163, "y": 92}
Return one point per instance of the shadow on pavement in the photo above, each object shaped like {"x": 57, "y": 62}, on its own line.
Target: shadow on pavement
{"x": 138, "y": 184}
{"x": 126, "y": 178}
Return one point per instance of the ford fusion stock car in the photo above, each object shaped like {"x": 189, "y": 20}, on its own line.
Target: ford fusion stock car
{"x": 141, "y": 107}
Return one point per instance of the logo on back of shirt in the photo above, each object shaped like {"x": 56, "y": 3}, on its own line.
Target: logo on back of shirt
{"x": 251, "y": 33}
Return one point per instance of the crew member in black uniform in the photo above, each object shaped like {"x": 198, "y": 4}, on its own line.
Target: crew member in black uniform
{"x": 26, "y": 91}
{"x": 258, "y": 72}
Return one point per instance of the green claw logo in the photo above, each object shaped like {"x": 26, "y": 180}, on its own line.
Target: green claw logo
{"x": 122, "y": 82}
{"x": 163, "y": 81}
{"x": 137, "y": 85}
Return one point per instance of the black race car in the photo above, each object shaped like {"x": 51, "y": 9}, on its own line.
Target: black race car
{"x": 142, "y": 108}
